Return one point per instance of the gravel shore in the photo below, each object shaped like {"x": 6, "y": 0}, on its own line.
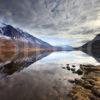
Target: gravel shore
{"x": 88, "y": 87}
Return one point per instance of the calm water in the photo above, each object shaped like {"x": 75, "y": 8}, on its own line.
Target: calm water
{"x": 40, "y": 76}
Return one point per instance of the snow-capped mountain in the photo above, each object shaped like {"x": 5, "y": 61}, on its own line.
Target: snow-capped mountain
{"x": 23, "y": 37}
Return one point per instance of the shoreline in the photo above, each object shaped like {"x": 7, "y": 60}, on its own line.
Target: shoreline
{"x": 88, "y": 87}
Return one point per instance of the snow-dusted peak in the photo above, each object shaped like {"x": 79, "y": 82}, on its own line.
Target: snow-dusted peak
{"x": 2, "y": 25}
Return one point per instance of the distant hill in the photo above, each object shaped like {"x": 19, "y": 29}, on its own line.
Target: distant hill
{"x": 63, "y": 48}
{"x": 92, "y": 48}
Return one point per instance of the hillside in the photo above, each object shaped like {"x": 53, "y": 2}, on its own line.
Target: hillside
{"x": 23, "y": 39}
{"x": 92, "y": 48}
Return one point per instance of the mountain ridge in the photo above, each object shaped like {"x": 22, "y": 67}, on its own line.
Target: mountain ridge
{"x": 19, "y": 35}
{"x": 92, "y": 48}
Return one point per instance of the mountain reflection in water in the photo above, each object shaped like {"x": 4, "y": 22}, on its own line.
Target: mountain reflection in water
{"x": 53, "y": 81}
{"x": 28, "y": 83}
{"x": 25, "y": 59}
{"x": 92, "y": 48}
{"x": 22, "y": 60}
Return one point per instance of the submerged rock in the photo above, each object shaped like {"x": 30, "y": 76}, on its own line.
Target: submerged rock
{"x": 73, "y": 65}
{"x": 63, "y": 67}
{"x": 73, "y": 69}
{"x": 79, "y": 72}
{"x": 68, "y": 68}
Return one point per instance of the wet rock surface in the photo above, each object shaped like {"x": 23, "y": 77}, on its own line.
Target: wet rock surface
{"x": 88, "y": 87}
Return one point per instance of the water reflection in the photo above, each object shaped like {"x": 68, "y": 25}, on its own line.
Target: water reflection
{"x": 92, "y": 48}
{"x": 94, "y": 53}
{"x": 44, "y": 75}
{"x": 37, "y": 85}
{"x": 22, "y": 60}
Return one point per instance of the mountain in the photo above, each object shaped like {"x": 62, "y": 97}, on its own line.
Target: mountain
{"x": 92, "y": 48}
{"x": 23, "y": 38}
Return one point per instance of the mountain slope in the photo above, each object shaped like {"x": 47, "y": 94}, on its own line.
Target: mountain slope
{"x": 23, "y": 37}
{"x": 92, "y": 48}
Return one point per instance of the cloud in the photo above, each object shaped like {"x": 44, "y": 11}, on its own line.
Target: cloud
{"x": 52, "y": 17}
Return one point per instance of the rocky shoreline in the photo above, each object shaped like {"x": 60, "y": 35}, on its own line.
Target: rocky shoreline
{"x": 88, "y": 87}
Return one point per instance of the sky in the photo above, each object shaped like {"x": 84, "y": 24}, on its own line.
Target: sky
{"x": 58, "y": 22}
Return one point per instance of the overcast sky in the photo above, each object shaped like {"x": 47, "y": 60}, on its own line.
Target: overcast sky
{"x": 54, "y": 20}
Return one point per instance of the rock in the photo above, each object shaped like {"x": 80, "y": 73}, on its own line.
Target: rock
{"x": 89, "y": 66}
{"x": 82, "y": 68}
{"x": 88, "y": 86}
{"x": 91, "y": 81}
{"x": 67, "y": 65}
{"x": 68, "y": 68}
{"x": 79, "y": 72}
{"x": 63, "y": 67}
{"x": 89, "y": 69}
{"x": 71, "y": 81}
{"x": 84, "y": 77}
{"x": 79, "y": 81}
{"x": 95, "y": 78}
{"x": 73, "y": 65}
{"x": 72, "y": 69}
{"x": 96, "y": 91}
{"x": 75, "y": 98}
{"x": 92, "y": 97}
{"x": 97, "y": 83}
{"x": 78, "y": 97}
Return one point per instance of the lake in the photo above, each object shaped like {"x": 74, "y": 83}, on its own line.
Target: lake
{"x": 41, "y": 76}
